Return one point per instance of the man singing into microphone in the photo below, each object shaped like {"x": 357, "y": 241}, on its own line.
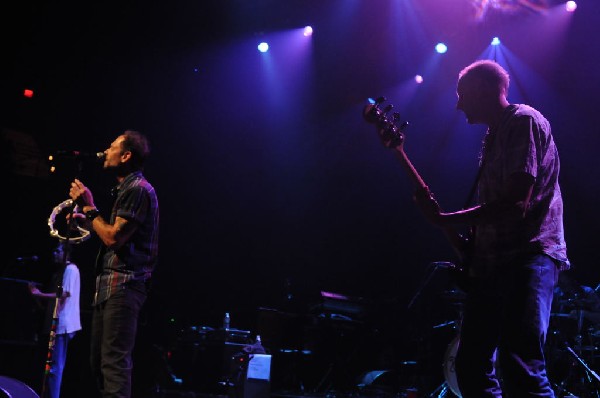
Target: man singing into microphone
{"x": 126, "y": 261}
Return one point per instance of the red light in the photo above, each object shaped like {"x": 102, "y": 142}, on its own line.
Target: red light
{"x": 28, "y": 93}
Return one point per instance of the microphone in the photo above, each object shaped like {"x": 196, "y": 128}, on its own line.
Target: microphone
{"x": 31, "y": 259}
{"x": 78, "y": 155}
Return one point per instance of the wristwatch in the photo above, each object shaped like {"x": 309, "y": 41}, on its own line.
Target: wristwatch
{"x": 91, "y": 214}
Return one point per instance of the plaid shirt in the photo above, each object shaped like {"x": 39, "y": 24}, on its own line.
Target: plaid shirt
{"x": 135, "y": 201}
{"x": 523, "y": 143}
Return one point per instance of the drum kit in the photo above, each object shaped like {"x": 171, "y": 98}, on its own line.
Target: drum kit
{"x": 572, "y": 346}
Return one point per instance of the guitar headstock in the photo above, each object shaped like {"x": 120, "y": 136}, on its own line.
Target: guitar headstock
{"x": 388, "y": 126}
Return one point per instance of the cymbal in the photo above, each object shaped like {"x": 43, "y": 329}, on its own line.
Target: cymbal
{"x": 594, "y": 333}
{"x": 585, "y": 348}
{"x": 575, "y": 303}
{"x": 559, "y": 315}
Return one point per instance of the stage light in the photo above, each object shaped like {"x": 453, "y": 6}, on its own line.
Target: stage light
{"x": 441, "y": 48}
{"x": 263, "y": 47}
{"x": 308, "y": 31}
{"x": 570, "y": 6}
{"x": 495, "y": 41}
{"x": 28, "y": 93}
{"x": 419, "y": 79}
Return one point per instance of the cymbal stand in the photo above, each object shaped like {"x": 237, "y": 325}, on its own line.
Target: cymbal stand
{"x": 442, "y": 391}
{"x": 431, "y": 271}
{"x": 589, "y": 379}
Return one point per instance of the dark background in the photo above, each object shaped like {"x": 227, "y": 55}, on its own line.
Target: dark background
{"x": 272, "y": 186}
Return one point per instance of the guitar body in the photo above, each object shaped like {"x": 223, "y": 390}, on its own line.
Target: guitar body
{"x": 391, "y": 133}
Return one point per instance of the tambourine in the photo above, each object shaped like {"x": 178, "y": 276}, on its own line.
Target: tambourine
{"x": 84, "y": 234}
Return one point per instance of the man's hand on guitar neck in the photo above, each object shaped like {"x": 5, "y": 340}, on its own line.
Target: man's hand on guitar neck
{"x": 428, "y": 205}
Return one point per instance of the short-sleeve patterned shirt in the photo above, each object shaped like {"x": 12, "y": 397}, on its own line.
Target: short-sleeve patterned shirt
{"x": 137, "y": 202}
{"x": 522, "y": 143}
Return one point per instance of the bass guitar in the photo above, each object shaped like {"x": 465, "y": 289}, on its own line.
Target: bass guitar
{"x": 391, "y": 132}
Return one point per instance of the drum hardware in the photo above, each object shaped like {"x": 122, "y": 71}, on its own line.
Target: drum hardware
{"x": 568, "y": 329}
{"x": 571, "y": 343}
{"x": 584, "y": 385}
{"x": 449, "y": 388}
{"x": 594, "y": 332}
{"x": 561, "y": 315}
{"x": 449, "y": 370}
{"x": 441, "y": 392}
{"x": 443, "y": 325}
{"x": 580, "y": 348}
{"x": 431, "y": 271}
{"x": 453, "y": 295}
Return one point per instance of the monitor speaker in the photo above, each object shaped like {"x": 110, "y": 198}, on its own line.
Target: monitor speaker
{"x": 14, "y": 388}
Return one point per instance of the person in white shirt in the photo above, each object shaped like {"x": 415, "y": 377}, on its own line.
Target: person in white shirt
{"x": 68, "y": 320}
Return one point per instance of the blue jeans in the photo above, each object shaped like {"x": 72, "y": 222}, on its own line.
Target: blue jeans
{"x": 59, "y": 358}
{"x": 503, "y": 331}
{"x": 113, "y": 333}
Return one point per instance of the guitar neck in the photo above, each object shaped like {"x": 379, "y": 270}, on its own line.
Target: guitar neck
{"x": 456, "y": 239}
{"x": 416, "y": 179}
{"x": 392, "y": 136}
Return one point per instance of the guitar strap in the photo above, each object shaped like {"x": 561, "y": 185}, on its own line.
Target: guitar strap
{"x": 473, "y": 187}
{"x": 470, "y": 233}
{"x": 488, "y": 139}
{"x": 508, "y": 112}
{"x": 471, "y": 196}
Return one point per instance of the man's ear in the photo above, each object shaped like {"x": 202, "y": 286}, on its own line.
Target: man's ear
{"x": 126, "y": 156}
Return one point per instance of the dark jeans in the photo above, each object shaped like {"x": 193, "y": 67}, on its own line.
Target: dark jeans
{"x": 113, "y": 333}
{"x": 510, "y": 312}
